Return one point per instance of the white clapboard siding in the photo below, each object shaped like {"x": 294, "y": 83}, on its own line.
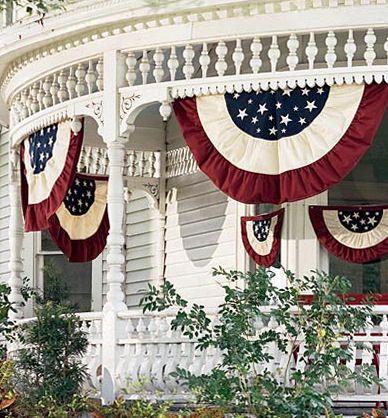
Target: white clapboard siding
{"x": 142, "y": 237}
{"x": 4, "y": 208}
{"x": 200, "y": 234}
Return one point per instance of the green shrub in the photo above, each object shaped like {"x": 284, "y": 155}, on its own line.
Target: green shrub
{"x": 242, "y": 381}
{"x": 49, "y": 366}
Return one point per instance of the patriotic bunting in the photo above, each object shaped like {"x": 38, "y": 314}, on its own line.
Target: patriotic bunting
{"x": 357, "y": 234}
{"x": 284, "y": 145}
{"x": 80, "y": 226}
{"x": 48, "y": 162}
{"x": 261, "y": 236}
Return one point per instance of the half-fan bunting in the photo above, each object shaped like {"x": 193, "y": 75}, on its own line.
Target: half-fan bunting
{"x": 261, "y": 236}
{"x": 48, "y": 162}
{"x": 284, "y": 145}
{"x": 357, "y": 234}
{"x": 80, "y": 226}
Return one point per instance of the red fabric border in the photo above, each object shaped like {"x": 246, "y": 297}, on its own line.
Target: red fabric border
{"x": 339, "y": 250}
{"x": 80, "y": 251}
{"x": 248, "y": 187}
{"x": 269, "y": 259}
{"x": 36, "y": 216}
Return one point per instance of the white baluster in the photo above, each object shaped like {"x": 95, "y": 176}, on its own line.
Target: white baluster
{"x": 221, "y": 64}
{"x": 106, "y": 162}
{"x": 71, "y": 83}
{"x": 238, "y": 56}
{"x": 81, "y": 161}
{"x": 311, "y": 50}
{"x": 89, "y": 159}
{"x": 350, "y": 48}
{"x": 158, "y": 71}
{"x": 370, "y": 40}
{"x": 91, "y": 78}
{"x": 132, "y": 163}
{"x": 331, "y": 56}
{"x": 204, "y": 60}
{"x": 386, "y": 48}
{"x": 97, "y": 160}
{"x": 151, "y": 161}
{"x": 100, "y": 74}
{"x": 29, "y": 101}
{"x": 80, "y": 74}
{"x": 40, "y": 96}
{"x": 130, "y": 75}
{"x": 274, "y": 53}
{"x": 255, "y": 62}
{"x": 34, "y": 94}
{"x": 173, "y": 63}
{"x": 47, "y": 99}
{"x": 23, "y": 102}
{"x": 141, "y": 328}
{"x": 144, "y": 67}
{"x": 62, "y": 92}
{"x": 292, "y": 45}
{"x": 142, "y": 163}
{"x": 188, "y": 68}
{"x": 54, "y": 89}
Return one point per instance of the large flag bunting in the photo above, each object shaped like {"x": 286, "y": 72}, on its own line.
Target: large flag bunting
{"x": 80, "y": 226}
{"x": 261, "y": 236}
{"x": 357, "y": 234}
{"x": 281, "y": 145}
{"x": 48, "y": 162}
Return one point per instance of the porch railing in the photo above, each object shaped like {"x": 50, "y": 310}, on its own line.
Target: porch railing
{"x": 148, "y": 351}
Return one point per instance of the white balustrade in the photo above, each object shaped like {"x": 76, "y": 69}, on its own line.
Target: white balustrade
{"x": 280, "y": 53}
{"x": 218, "y": 58}
{"x": 68, "y": 83}
{"x": 149, "y": 351}
{"x": 94, "y": 160}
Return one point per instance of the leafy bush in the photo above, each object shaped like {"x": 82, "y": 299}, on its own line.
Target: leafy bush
{"x": 242, "y": 381}
{"x": 49, "y": 366}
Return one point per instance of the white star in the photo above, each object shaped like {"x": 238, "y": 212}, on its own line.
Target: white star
{"x": 287, "y": 92}
{"x": 310, "y": 106}
{"x": 48, "y": 129}
{"x": 41, "y": 156}
{"x": 236, "y": 96}
{"x": 285, "y": 119}
{"x": 305, "y": 91}
{"x": 362, "y": 222}
{"x": 77, "y": 182}
{"x": 254, "y": 120}
{"x": 250, "y": 101}
{"x": 283, "y": 131}
{"x": 302, "y": 121}
{"x": 47, "y": 155}
{"x": 242, "y": 114}
{"x": 347, "y": 219}
{"x": 80, "y": 203}
{"x": 38, "y": 145}
{"x": 273, "y": 131}
{"x": 50, "y": 142}
{"x": 296, "y": 108}
{"x": 273, "y": 91}
{"x": 258, "y": 130}
{"x": 278, "y": 105}
{"x": 372, "y": 221}
{"x": 354, "y": 227}
{"x": 262, "y": 108}
{"x": 356, "y": 215}
{"x": 320, "y": 90}
{"x": 270, "y": 117}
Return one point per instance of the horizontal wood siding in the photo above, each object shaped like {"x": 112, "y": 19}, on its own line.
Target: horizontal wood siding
{"x": 200, "y": 234}
{"x": 142, "y": 237}
{"x": 4, "y": 208}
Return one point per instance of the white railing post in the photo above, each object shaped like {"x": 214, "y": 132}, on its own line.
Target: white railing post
{"x": 114, "y": 65}
{"x": 15, "y": 236}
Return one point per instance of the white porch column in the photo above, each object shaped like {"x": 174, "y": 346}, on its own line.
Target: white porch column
{"x": 16, "y": 234}
{"x": 115, "y": 299}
